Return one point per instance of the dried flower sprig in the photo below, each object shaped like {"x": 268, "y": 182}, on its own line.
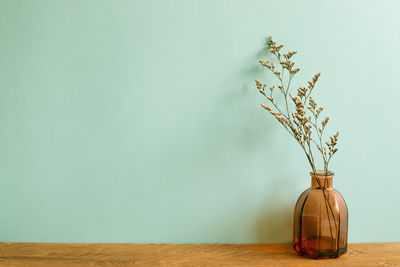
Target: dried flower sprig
{"x": 303, "y": 123}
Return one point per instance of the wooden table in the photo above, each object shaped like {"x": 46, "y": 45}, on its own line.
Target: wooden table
{"x": 281, "y": 255}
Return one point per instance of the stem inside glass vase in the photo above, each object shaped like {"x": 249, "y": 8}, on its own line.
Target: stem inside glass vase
{"x": 320, "y": 219}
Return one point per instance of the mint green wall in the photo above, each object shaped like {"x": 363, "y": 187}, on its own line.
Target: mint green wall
{"x": 139, "y": 121}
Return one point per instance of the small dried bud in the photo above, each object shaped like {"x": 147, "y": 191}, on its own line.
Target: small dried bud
{"x": 265, "y": 63}
{"x": 289, "y": 54}
{"x": 299, "y": 117}
{"x": 281, "y": 119}
{"x": 296, "y": 70}
{"x": 270, "y": 41}
{"x": 292, "y": 53}
{"x": 266, "y": 107}
{"x": 301, "y": 91}
{"x": 298, "y": 102}
{"x": 270, "y": 98}
{"x": 315, "y": 77}
{"x": 273, "y": 112}
{"x": 258, "y": 84}
{"x": 313, "y": 104}
{"x": 324, "y": 122}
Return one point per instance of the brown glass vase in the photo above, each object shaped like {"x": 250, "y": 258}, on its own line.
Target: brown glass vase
{"x": 320, "y": 220}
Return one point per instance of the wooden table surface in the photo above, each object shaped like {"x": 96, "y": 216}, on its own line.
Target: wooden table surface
{"x": 56, "y": 254}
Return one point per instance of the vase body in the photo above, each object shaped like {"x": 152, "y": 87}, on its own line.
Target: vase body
{"x": 320, "y": 220}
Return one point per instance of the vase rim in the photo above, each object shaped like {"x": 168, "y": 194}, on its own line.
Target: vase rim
{"x": 322, "y": 173}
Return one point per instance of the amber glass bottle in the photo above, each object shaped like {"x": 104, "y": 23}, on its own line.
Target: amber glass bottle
{"x": 320, "y": 220}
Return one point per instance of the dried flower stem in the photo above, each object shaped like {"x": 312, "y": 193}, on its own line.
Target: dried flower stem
{"x": 297, "y": 123}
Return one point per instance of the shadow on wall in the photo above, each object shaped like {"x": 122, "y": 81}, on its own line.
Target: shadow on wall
{"x": 274, "y": 224}
{"x": 276, "y": 219}
{"x": 238, "y": 136}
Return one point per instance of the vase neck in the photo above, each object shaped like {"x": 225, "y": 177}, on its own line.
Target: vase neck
{"x": 321, "y": 179}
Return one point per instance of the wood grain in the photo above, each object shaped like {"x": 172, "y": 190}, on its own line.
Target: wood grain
{"x": 56, "y": 254}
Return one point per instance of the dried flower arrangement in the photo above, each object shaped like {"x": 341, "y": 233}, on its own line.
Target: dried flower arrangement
{"x": 299, "y": 124}
{"x": 304, "y": 125}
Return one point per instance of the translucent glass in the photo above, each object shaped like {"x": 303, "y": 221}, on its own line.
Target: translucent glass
{"x": 320, "y": 220}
